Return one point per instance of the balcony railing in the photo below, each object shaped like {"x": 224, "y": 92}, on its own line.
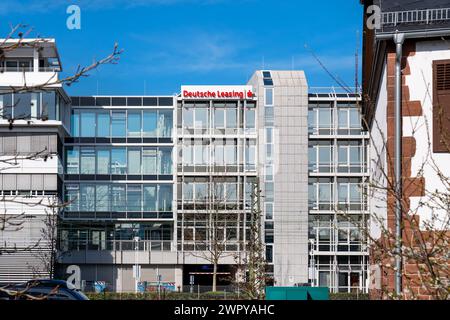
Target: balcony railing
{"x": 425, "y": 16}
{"x": 117, "y": 245}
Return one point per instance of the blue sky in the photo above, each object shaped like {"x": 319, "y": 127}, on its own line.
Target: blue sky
{"x": 168, "y": 43}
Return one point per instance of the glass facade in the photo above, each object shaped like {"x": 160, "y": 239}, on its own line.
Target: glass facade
{"x": 106, "y": 160}
{"x": 118, "y": 175}
{"x": 105, "y": 123}
{"x": 337, "y": 201}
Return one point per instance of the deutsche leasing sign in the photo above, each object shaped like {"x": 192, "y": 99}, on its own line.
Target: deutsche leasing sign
{"x": 217, "y": 92}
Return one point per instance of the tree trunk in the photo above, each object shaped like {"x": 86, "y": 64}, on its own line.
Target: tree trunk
{"x": 214, "y": 284}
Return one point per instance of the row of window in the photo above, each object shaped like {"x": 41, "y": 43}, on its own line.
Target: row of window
{"x": 119, "y": 160}
{"x": 326, "y": 121}
{"x": 346, "y": 156}
{"x": 122, "y": 101}
{"x": 218, "y": 118}
{"x": 87, "y": 197}
{"x": 151, "y": 123}
{"x": 343, "y": 194}
{"x": 217, "y": 192}
{"x": 115, "y": 237}
{"x": 222, "y": 152}
{"x": 36, "y": 105}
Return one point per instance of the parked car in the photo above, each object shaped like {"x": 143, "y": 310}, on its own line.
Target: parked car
{"x": 47, "y": 289}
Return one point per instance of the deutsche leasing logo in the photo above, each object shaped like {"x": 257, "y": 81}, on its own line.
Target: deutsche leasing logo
{"x": 73, "y": 21}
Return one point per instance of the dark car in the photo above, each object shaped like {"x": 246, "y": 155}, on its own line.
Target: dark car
{"x": 46, "y": 289}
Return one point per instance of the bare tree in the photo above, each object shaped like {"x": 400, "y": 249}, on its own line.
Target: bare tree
{"x": 214, "y": 243}
{"x": 252, "y": 266}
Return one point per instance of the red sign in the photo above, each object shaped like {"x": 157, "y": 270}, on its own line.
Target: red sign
{"x": 220, "y": 93}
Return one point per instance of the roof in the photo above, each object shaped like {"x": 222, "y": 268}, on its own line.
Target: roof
{"x": 413, "y": 15}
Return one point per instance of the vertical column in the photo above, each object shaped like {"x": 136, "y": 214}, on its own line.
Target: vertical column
{"x": 35, "y": 60}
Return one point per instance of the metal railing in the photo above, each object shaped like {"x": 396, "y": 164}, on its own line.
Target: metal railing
{"x": 426, "y": 16}
{"x": 117, "y": 245}
{"x": 50, "y": 69}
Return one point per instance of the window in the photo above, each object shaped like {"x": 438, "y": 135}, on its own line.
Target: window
{"x": 118, "y": 161}
{"x": 134, "y": 161}
{"x": 73, "y": 160}
{"x": 269, "y": 172}
{"x": 134, "y": 198}
{"x": 325, "y": 158}
{"x": 103, "y": 125}
{"x": 349, "y": 121}
{"x": 22, "y": 105}
{"x": 118, "y": 198}
{"x": 231, "y": 114}
{"x": 325, "y": 119}
{"x": 441, "y": 105}
{"x": 188, "y": 154}
{"x": 87, "y": 162}
{"x": 165, "y": 123}
{"x": 230, "y": 154}
{"x": 73, "y": 197}
{"x": 269, "y": 253}
{"x": 150, "y": 195}
{"x": 269, "y": 210}
{"x": 118, "y": 124}
{"x": 219, "y": 152}
{"x": 49, "y": 108}
{"x": 201, "y": 153}
{"x": 350, "y": 157}
{"x": 269, "y": 191}
{"x": 188, "y": 191}
{"x": 268, "y": 96}
{"x": 349, "y": 194}
{"x": 150, "y": 123}
{"x": 250, "y": 155}
{"x": 165, "y": 198}
{"x": 268, "y": 116}
{"x": 201, "y": 118}
{"x": 312, "y": 121}
{"x": 324, "y": 195}
{"x": 87, "y": 198}
{"x": 188, "y": 117}
{"x": 6, "y": 105}
{"x": 149, "y": 160}
{"x": 219, "y": 118}
{"x": 103, "y": 161}
{"x": 87, "y": 123}
{"x": 320, "y": 193}
{"x": 102, "y": 198}
{"x": 134, "y": 123}
{"x": 75, "y": 123}
{"x": 250, "y": 115}
{"x": 201, "y": 191}
{"x": 231, "y": 192}
{"x": 165, "y": 160}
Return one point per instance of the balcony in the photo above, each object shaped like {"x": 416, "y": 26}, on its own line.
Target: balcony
{"x": 425, "y": 19}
